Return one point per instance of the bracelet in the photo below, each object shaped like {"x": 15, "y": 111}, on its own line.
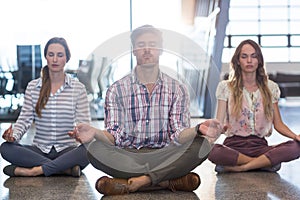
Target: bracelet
{"x": 197, "y": 129}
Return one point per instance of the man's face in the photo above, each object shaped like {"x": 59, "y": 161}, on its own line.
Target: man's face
{"x": 147, "y": 49}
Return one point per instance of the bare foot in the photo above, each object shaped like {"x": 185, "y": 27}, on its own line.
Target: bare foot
{"x": 238, "y": 168}
{"x": 164, "y": 184}
{"x": 22, "y": 171}
{"x": 137, "y": 182}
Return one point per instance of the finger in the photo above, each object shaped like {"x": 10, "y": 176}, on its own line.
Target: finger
{"x": 225, "y": 128}
{"x": 78, "y": 140}
{"x": 6, "y": 135}
{"x": 5, "y": 132}
{"x": 129, "y": 181}
{"x": 79, "y": 125}
{"x": 214, "y": 123}
{"x": 9, "y": 130}
{"x": 204, "y": 129}
{"x": 71, "y": 134}
{"x": 11, "y": 139}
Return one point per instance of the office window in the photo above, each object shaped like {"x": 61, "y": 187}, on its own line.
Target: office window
{"x": 239, "y": 28}
{"x": 294, "y": 54}
{"x": 294, "y": 27}
{"x": 274, "y": 27}
{"x": 269, "y": 41}
{"x": 239, "y": 14}
{"x": 296, "y": 40}
{"x": 273, "y": 13}
{"x": 294, "y": 12}
{"x": 244, "y": 2}
{"x": 273, "y": 24}
{"x": 275, "y": 54}
{"x": 236, "y": 40}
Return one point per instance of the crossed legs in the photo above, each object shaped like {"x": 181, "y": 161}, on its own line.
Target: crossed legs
{"x": 151, "y": 168}
{"x": 41, "y": 163}
{"x": 238, "y": 154}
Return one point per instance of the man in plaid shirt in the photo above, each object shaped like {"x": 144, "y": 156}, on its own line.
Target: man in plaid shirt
{"x": 148, "y": 142}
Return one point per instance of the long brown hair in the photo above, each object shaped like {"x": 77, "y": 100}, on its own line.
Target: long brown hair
{"x": 46, "y": 81}
{"x": 236, "y": 82}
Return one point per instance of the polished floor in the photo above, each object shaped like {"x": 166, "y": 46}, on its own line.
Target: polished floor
{"x": 284, "y": 185}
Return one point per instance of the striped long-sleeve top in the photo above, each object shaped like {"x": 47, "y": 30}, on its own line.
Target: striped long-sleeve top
{"x": 67, "y": 106}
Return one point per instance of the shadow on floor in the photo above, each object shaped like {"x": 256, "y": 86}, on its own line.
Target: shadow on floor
{"x": 48, "y": 188}
{"x": 254, "y": 185}
{"x": 60, "y": 187}
{"x": 155, "y": 195}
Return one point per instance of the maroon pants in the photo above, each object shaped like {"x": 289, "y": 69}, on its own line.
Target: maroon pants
{"x": 227, "y": 153}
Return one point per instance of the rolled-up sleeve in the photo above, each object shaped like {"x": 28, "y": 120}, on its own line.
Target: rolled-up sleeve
{"x": 180, "y": 113}
{"x": 113, "y": 115}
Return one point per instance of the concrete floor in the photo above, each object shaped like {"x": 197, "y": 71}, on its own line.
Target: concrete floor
{"x": 249, "y": 186}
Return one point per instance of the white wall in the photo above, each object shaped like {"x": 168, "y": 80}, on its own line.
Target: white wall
{"x": 84, "y": 24}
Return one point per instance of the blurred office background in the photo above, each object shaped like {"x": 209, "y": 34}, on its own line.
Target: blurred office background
{"x": 201, "y": 36}
{"x": 215, "y": 26}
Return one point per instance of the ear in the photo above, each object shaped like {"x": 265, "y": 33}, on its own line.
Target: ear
{"x": 134, "y": 52}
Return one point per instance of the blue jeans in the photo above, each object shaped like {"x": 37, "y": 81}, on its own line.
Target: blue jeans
{"x": 52, "y": 163}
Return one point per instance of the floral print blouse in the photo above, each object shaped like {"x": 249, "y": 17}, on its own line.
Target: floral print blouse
{"x": 252, "y": 120}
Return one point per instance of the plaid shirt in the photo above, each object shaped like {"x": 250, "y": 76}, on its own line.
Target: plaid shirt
{"x": 138, "y": 119}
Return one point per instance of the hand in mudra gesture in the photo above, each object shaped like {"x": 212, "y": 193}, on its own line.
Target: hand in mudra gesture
{"x": 212, "y": 128}
{"x": 83, "y": 133}
{"x": 8, "y": 135}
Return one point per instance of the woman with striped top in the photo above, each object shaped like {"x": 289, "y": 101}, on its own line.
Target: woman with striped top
{"x": 54, "y": 103}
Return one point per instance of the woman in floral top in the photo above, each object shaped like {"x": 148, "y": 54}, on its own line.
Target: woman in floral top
{"x": 248, "y": 104}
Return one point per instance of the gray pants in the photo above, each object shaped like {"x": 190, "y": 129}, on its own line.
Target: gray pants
{"x": 162, "y": 164}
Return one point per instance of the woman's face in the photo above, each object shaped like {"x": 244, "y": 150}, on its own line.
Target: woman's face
{"x": 56, "y": 57}
{"x": 248, "y": 59}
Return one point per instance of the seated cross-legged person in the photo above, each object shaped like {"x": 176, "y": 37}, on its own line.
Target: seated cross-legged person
{"x": 148, "y": 143}
{"x": 53, "y": 102}
{"x": 248, "y": 104}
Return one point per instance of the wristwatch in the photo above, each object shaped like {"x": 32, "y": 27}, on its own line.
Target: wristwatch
{"x": 197, "y": 129}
